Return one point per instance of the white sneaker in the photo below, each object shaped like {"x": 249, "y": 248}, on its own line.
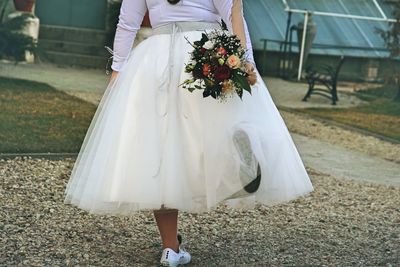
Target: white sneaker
{"x": 250, "y": 170}
{"x": 170, "y": 258}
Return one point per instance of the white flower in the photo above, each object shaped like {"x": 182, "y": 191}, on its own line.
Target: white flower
{"x": 208, "y": 45}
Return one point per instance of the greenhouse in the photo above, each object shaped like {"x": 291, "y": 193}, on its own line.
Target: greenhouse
{"x": 343, "y": 28}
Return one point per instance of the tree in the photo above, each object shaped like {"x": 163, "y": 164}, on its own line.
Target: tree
{"x": 392, "y": 42}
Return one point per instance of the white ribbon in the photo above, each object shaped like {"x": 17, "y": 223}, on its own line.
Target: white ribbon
{"x": 165, "y": 88}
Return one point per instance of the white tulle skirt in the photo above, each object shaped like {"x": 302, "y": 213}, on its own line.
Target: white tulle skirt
{"x": 152, "y": 144}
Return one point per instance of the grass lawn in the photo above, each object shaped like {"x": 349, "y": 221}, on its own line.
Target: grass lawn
{"x": 381, "y": 115}
{"x": 35, "y": 117}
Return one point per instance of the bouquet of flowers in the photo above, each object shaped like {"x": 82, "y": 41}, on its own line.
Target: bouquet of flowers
{"x": 217, "y": 66}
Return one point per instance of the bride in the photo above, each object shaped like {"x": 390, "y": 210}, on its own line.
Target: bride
{"x": 153, "y": 145}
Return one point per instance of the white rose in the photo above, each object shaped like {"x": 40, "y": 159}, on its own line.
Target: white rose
{"x": 208, "y": 45}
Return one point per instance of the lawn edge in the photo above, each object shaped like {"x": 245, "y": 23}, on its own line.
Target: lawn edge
{"x": 53, "y": 156}
{"x": 339, "y": 124}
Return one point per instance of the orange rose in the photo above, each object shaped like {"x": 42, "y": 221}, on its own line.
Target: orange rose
{"x": 233, "y": 62}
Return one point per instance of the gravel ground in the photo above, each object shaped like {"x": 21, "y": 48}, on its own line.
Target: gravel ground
{"x": 370, "y": 145}
{"x": 341, "y": 223}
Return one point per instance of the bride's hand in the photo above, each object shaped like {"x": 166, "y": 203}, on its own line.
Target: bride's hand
{"x": 252, "y": 78}
{"x": 114, "y": 75}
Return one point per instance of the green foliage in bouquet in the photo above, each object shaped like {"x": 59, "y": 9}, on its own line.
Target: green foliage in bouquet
{"x": 14, "y": 43}
{"x": 217, "y": 66}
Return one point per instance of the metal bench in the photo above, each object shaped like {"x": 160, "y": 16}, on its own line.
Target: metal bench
{"x": 325, "y": 75}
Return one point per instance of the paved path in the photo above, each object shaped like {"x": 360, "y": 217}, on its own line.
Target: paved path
{"x": 321, "y": 156}
{"x": 345, "y": 163}
{"x": 82, "y": 82}
{"x": 62, "y": 78}
{"x": 290, "y": 94}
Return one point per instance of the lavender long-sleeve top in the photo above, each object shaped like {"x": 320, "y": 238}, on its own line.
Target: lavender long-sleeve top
{"x": 161, "y": 12}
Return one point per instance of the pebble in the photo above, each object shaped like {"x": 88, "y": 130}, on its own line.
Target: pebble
{"x": 341, "y": 223}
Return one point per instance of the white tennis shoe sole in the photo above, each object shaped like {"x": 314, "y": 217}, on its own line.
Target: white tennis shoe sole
{"x": 170, "y": 258}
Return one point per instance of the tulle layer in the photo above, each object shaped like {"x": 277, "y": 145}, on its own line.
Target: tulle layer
{"x": 153, "y": 144}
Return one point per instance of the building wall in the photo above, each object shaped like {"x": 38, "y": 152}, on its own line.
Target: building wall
{"x": 89, "y": 14}
{"x": 75, "y": 32}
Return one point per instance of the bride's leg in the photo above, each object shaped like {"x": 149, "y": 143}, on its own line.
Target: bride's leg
{"x": 167, "y": 223}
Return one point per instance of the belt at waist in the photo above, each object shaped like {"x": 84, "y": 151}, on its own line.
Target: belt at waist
{"x": 184, "y": 26}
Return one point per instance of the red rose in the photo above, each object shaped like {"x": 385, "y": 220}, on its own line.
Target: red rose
{"x": 203, "y": 50}
{"x": 206, "y": 69}
{"x": 222, "y": 73}
{"x": 221, "y": 51}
